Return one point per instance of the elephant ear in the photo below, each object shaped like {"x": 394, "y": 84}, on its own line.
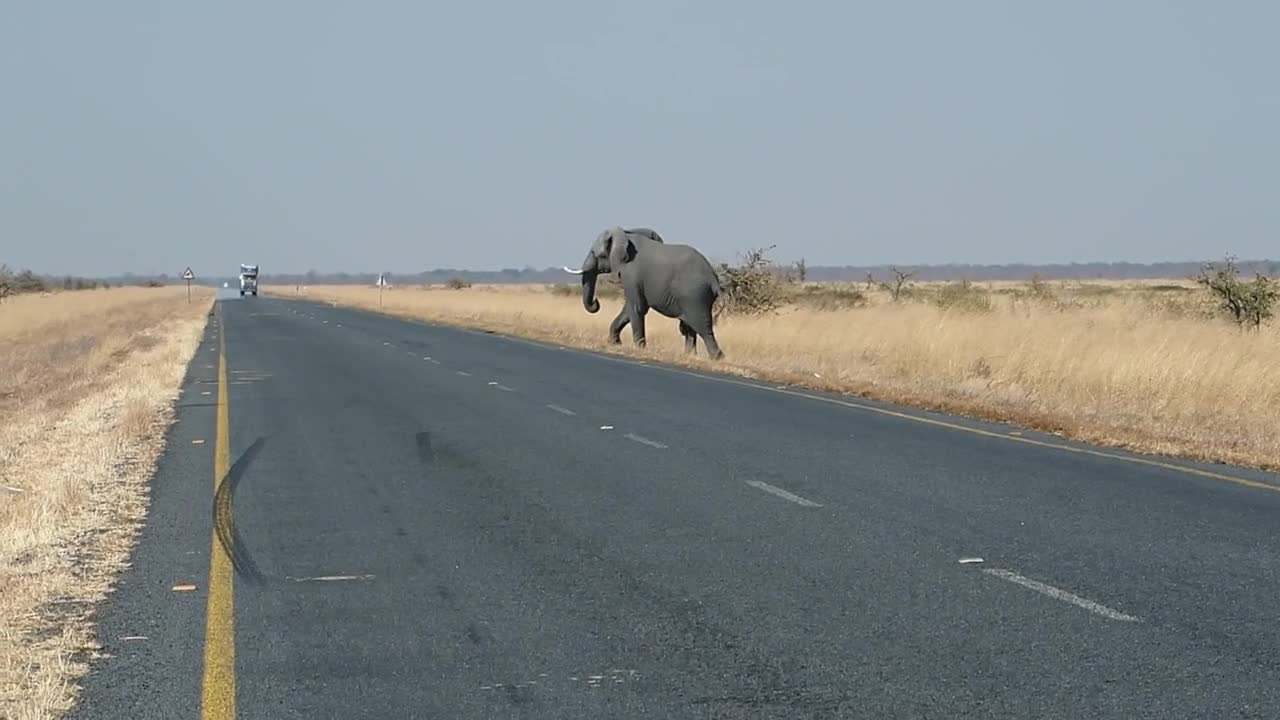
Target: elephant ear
{"x": 621, "y": 249}
{"x": 646, "y": 232}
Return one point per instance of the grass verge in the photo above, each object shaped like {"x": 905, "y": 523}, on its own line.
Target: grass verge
{"x": 1142, "y": 366}
{"x": 88, "y": 380}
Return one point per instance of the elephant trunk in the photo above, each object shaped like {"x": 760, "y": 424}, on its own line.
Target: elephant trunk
{"x": 589, "y": 292}
{"x": 590, "y": 270}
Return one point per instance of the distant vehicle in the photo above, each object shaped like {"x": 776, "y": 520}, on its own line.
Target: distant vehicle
{"x": 226, "y": 284}
{"x": 248, "y": 280}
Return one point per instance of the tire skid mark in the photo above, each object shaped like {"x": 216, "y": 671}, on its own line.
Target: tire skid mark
{"x": 224, "y": 518}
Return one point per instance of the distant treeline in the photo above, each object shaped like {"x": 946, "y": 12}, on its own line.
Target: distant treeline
{"x": 28, "y": 281}
{"x": 25, "y": 281}
{"x": 848, "y": 273}
{"x": 1071, "y": 271}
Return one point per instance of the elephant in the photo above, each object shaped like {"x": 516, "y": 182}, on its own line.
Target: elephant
{"x": 676, "y": 280}
{"x": 623, "y": 317}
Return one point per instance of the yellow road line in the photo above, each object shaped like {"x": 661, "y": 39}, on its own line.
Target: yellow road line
{"x": 218, "y": 691}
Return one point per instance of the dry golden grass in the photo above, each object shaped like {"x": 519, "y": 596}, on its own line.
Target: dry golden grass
{"x": 87, "y": 384}
{"x": 1139, "y": 365}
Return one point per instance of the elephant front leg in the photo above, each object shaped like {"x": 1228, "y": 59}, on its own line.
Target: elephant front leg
{"x": 615, "y": 327}
{"x": 636, "y": 317}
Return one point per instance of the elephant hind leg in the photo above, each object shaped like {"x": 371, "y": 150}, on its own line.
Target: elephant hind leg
{"x": 700, "y": 323}
{"x": 690, "y": 337}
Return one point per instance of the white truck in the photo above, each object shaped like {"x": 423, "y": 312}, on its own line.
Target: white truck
{"x": 248, "y": 280}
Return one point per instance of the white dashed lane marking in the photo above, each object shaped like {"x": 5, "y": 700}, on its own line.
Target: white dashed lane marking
{"x": 1060, "y": 594}
{"x": 332, "y": 578}
{"x": 644, "y": 441}
{"x": 561, "y": 410}
{"x": 774, "y": 490}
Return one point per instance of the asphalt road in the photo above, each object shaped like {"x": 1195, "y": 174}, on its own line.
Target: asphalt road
{"x": 431, "y": 522}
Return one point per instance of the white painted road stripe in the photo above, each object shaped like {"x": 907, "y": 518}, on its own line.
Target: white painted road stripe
{"x": 782, "y": 493}
{"x": 562, "y": 410}
{"x": 464, "y": 373}
{"x": 332, "y": 578}
{"x": 645, "y": 441}
{"x": 1063, "y": 595}
{"x": 500, "y": 386}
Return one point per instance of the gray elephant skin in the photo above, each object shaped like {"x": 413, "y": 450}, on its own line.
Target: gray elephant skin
{"x": 676, "y": 280}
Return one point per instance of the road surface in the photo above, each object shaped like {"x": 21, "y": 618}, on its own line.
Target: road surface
{"x": 413, "y": 521}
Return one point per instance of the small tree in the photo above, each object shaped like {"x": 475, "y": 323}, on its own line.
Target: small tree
{"x": 1248, "y": 303}
{"x": 751, "y": 288}
{"x": 1039, "y": 288}
{"x": 801, "y": 270}
{"x": 900, "y": 278}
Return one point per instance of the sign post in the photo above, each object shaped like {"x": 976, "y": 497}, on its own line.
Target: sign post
{"x": 188, "y": 275}
{"x": 382, "y": 283}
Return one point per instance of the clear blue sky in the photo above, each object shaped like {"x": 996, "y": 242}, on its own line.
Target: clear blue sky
{"x": 149, "y": 136}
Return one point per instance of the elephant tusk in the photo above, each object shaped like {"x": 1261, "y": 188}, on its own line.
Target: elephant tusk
{"x": 572, "y": 271}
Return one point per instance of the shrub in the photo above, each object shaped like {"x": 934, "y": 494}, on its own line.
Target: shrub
{"x": 606, "y": 287}
{"x": 1038, "y": 289}
{"x": 830, "y": 297}
{"x": 27, "y": 282}
{"x": 962, "y": 296}
{"x": 750, "y": 288}
{"x": 1248, "y": 303}
{"x": 457, "y": 283}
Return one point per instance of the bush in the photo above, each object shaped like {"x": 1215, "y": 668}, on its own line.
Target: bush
{"x": 19, "y": 283}
{"x": 962, "y": 296}
{"x": 1248, "y": 303}
{"x": 1038, "y": 289}
{"x": 457, "y": 283}
{"x": 78, "y": 283}
{"x": 751, "y": 288}
{"x": 606, "y": 287}
{"x": 830, "y": 297}
{"x": 28, "y": 282}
